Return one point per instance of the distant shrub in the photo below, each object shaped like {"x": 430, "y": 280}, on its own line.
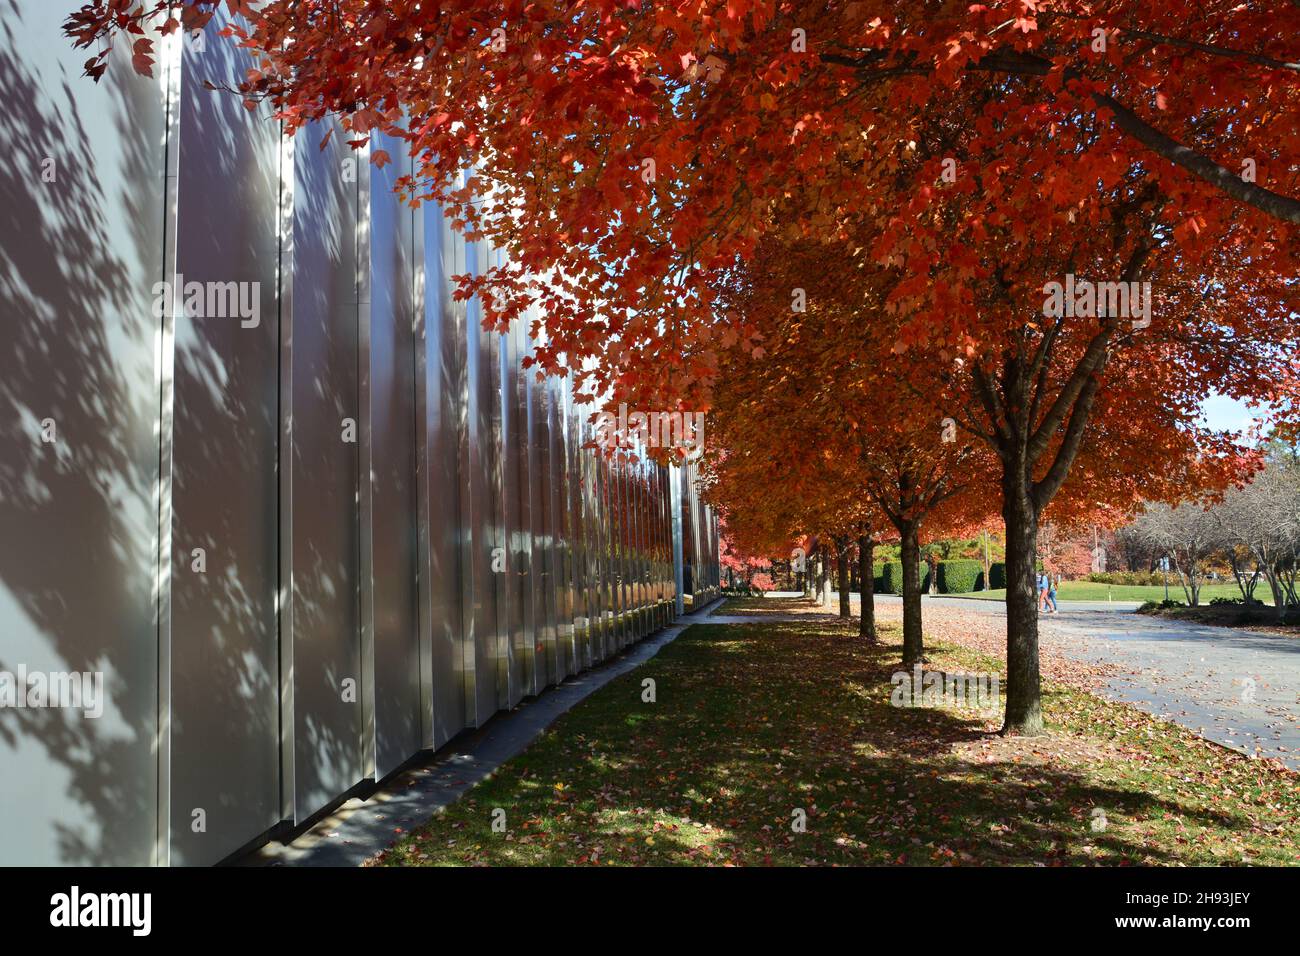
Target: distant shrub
{"x": 891, "y": 578}
{"x": 998, "y": 574}
{"x": 1130, "y": 578}
{"x": 1149, "y": 607}
{"x": 959, "y": 576}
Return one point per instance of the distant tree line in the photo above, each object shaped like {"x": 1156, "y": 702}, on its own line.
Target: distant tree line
{"x": 1253, "y": 531}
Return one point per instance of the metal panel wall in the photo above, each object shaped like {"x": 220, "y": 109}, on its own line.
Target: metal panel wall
{"x": 542, "y": 551}
{"x": 578, "y": 544}
{"x": 654, "y": 511}
{"x": 627, "y": 539}
{"x": 639, "y": 524}
{"x": 561, "y": 485}
{"x": 670, "y": 554}
{"x": 608, "y": 556}
{"x": 618, "y": 550}
{"x": 445, "y": 463}
{"x": 677, "y": 512}
{"x": 531, "y": 528}
{"x": 224, "y": 699}
{"x": 83, "y": 205}
{"x": 627, "y": 521}
{"x": 642, "y": 550}
{"x": 616, "y": 576}
{"x": 600, "y": 564}
{"x": 323, "y": 492}
{"x": 515, "y": 518}
{"x": 479, "y": 603}
{"x": 663, "y": 544}
{"x": 588, "y": 576}
{"x": 390, "y": 582}
{"x": 485, "y": 562}
{"x": 316, "y": 523}
{"x": 617, "y": 511}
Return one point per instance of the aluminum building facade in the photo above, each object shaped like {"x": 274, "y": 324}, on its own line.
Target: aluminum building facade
{"x": 306, "y": 525}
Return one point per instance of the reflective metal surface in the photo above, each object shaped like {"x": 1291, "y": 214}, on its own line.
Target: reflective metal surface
{"x": 485, "y": 564}
{"x": 443, "y": 495}
{"x": 302, "y": 536}
{"x": 325, "y": 430}
{"x": 224, "y": 710}
{"x": 392, "y": 577}
{"x": 515, "y": 521}
{"x": 83, "y": 199}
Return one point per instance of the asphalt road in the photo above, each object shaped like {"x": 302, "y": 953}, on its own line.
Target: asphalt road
{"x": 1236, "y": 687}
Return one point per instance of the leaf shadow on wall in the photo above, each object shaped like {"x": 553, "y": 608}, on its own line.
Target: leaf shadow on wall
{"x": 76, "y": 566}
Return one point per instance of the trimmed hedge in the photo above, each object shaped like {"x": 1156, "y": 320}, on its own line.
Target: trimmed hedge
{"x": 998, "y": 574}
{"x": 1127, "y": 577}
{"x": 960, "y": 576}
{"x": 891, "y": 578}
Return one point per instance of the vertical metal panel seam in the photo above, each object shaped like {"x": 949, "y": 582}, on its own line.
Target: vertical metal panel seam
{"x": 423, "y": 470}
{"x": 285, "y": 591}
{"x": 169, "y": 79}
{"x": 365, "y": 467}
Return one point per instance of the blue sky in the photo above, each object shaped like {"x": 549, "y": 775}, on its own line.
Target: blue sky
{"x": 1222, "y": 412}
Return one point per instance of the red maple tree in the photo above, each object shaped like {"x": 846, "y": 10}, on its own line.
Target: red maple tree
{"x": 629, "y": 157}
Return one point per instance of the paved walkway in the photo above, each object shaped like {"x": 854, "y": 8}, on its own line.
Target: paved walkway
{"x": 359, "y": 828}
{"x": 1236, "y": 687}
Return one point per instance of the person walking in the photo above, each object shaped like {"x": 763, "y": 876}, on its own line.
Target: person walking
{"x": 1042, "y": 591}
{"x": 1053, "y": 582}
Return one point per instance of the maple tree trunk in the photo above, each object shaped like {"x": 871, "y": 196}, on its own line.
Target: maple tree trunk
{"x": 913, "y": 646}
{"x": 823, "y": 576}
{"x": 1024, "y": 714}
{"x": 867, "y": 586}
{"x": 842, "y": 571}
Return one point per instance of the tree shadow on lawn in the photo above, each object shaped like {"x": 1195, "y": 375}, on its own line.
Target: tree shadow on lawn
{"x": 759, "y": 607}
{"x": 757, "y": 727}
{"x": 880, "y": 781}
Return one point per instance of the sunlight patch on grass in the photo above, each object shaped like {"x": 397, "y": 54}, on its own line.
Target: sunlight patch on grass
{"x": 757, "y": 724}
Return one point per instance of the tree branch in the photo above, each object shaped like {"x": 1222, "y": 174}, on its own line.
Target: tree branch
{"x": 1028, "y": 64}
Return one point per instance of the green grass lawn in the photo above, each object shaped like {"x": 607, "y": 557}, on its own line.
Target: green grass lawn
{"x": 755, "y": 722}
{"x": 1090, "y": 591}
